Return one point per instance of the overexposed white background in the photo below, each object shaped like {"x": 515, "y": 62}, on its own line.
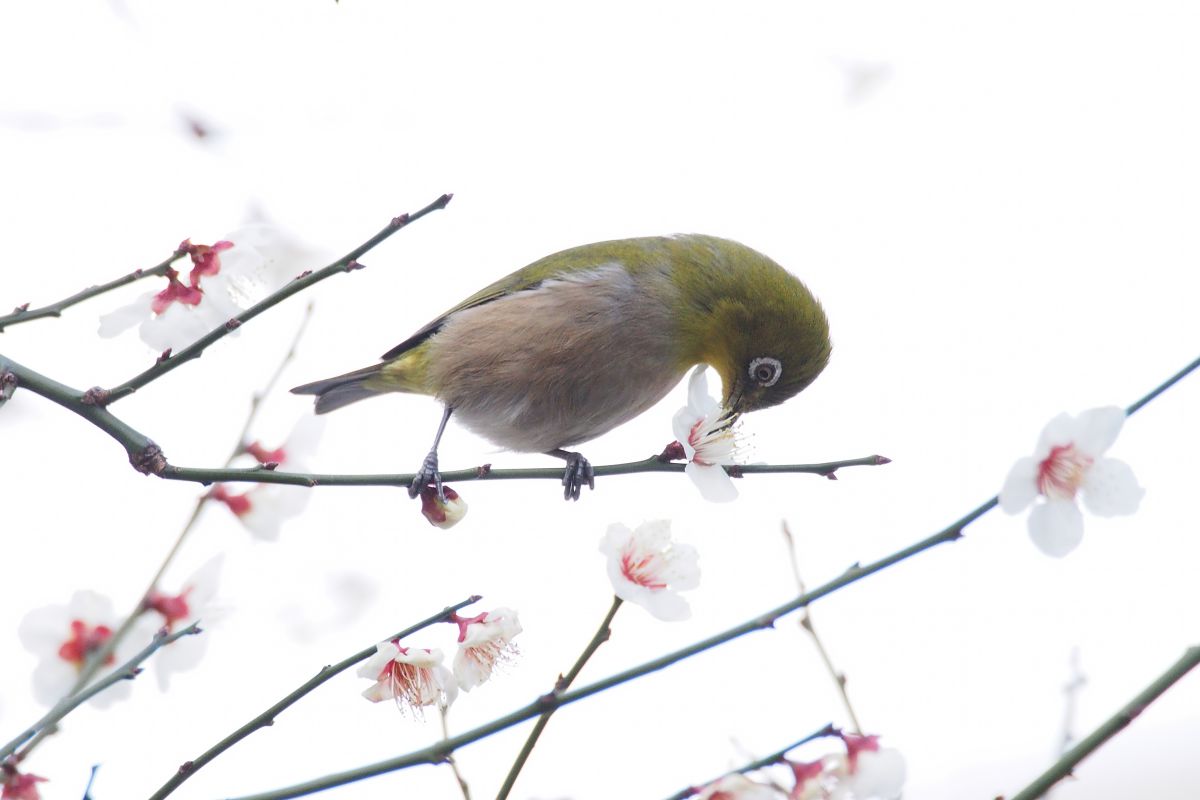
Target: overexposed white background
{"x": 996, "y": 205}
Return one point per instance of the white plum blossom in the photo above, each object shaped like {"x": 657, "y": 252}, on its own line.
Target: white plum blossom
{"x": 174, "y": 611}
{"x": 484, "y": 642}
{"x": 263, "y": 508}
{"x": 708, "y": 438}
{"x": 411, "y": 676}
{"x": 226, "y": 278}
{"x": 1068, "y": 462}
{"x": 646, "y": 568}
{"x": 64, "y": 637}
{"x": 738, "y": 787}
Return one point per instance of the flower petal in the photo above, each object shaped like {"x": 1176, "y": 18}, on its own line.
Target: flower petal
{"x": 122, "y": 319}
{"x": 1098, "y": 429}
{"x": 1020, "y": 487}
{"x": 667, "y": 606}
{"x": 714, "y": 483}
{"x": 1056, "y": 527}
{"x": 1111, "y": 489}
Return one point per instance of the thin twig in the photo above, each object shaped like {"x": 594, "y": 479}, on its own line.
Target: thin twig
{"x": 564, "y": 682}
{"x": 758, "y": 763}
{"x": 458, "y": 776}
{"x": 1110, "y": 727}
{"x": 346, "y": 263}
{"x": 267, "y": 718}
{"x": 25, "y": 314}
{"x": 96, "y": 660}
{"x": 127, "y": 671}
{"x": 436, "y": 753}
{"x": 806, "y": 622}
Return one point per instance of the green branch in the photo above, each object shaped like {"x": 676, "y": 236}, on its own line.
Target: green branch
{"x": 1110, "y": 727}
{"x": 24, "y": 313}
{"x": 346, "y": 263}
{"x": 440, "y": 751}
{"x": 267, "y": 718}
{"x": 758, "y": 763}
{"x": 127, "y": 671}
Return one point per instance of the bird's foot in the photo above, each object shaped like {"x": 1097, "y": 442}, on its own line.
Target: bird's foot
{"x": 428, "y": 473}
{"x": 578, "y": 472}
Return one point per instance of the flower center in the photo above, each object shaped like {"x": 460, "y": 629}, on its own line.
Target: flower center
{"x": 1062, "y": 472}
{"x": 85, "y": 640}
{"x": 643, "y": 569}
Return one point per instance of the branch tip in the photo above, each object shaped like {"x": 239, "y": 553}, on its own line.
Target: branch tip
{"x": 881, "y": 460}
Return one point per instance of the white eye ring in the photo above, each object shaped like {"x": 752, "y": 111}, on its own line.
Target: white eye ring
{"x": 772, "y": 364}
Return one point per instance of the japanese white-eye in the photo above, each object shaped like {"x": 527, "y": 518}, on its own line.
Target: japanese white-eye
{"x": 581, "y": 341}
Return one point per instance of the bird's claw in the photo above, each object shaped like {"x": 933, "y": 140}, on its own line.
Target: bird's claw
{"x": 578, "y": 472}
{"x": 428, "y": 473}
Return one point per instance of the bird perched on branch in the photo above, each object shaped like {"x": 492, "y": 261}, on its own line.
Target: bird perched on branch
{"x": 579, "y": 342}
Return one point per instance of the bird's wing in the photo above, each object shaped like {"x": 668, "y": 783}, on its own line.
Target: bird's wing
{"x": 568, "y": 262}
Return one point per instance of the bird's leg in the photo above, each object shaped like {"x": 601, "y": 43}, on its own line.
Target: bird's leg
{"x": 578, "y": 472}
{"x": 429, "y": 467}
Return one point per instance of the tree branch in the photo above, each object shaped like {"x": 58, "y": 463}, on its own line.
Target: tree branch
{"x": 1111, "y": 727}
{"x": 24, "y": 314}
{"x": 346, "y": 263}
{"x": 437, "y": 752}
{"x": 563, "y": 683}
{"x": 127, "y": 671}
{"x": 758, "y": 763}
{"x": 267, "y": 718}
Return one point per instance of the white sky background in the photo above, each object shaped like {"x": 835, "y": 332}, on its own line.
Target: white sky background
{"x": 995, "y": 205}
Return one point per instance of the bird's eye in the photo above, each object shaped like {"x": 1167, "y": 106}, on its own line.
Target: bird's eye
{"x": 765, "y": 371}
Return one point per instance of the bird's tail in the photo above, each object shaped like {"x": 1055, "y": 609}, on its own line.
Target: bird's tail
{"x": 342, "y": 390}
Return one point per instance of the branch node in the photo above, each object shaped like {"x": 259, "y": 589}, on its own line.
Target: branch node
{"x": 21, "y": 309}
{"x": 483, "y": 471}
{"x": 270, "y": 466}
{"x": 353, "y": 265}
{"x": 95, "y": 396}
{"x": 186, "y": 768}
{"x": 163, "y": 356}
{"x": 402, "y": 220}
{"x": 233, "y": 324}
{"x": 303, "y": 275}
{"x": 8, "y": 385}
{"x": 149, "y": 460}
{"x": 548, "y": 701}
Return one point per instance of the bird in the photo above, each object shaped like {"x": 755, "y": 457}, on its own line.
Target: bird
{"x": 583, "y": 340}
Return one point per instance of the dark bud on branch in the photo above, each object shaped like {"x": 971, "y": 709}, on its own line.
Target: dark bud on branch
{"x": 149, "y": 460}
{"x": 95, "y": 396}
{"x": 163, "y": 356}
{"x": 8, "y": 385}
{"x": 672, "y": 452}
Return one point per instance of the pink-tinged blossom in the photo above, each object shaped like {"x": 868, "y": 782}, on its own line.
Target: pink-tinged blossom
{"x": 193, "y": 603}
{"x": 411, "y": 676}
{"x": 1069, "y": 462}
{"x": 225, "y": 279}
{"x": 484, "y": 642}
{"x": 442, "y": 513}
{"x": 16, "y": 785}
{"x": 709, "y": 442}
{"x": 738, "y": 787}
{"x": 264, "y": 507}
{"x": 865, "y": 771}
{"x": 647, "y": 568}
{"x": 65, "y": 637}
